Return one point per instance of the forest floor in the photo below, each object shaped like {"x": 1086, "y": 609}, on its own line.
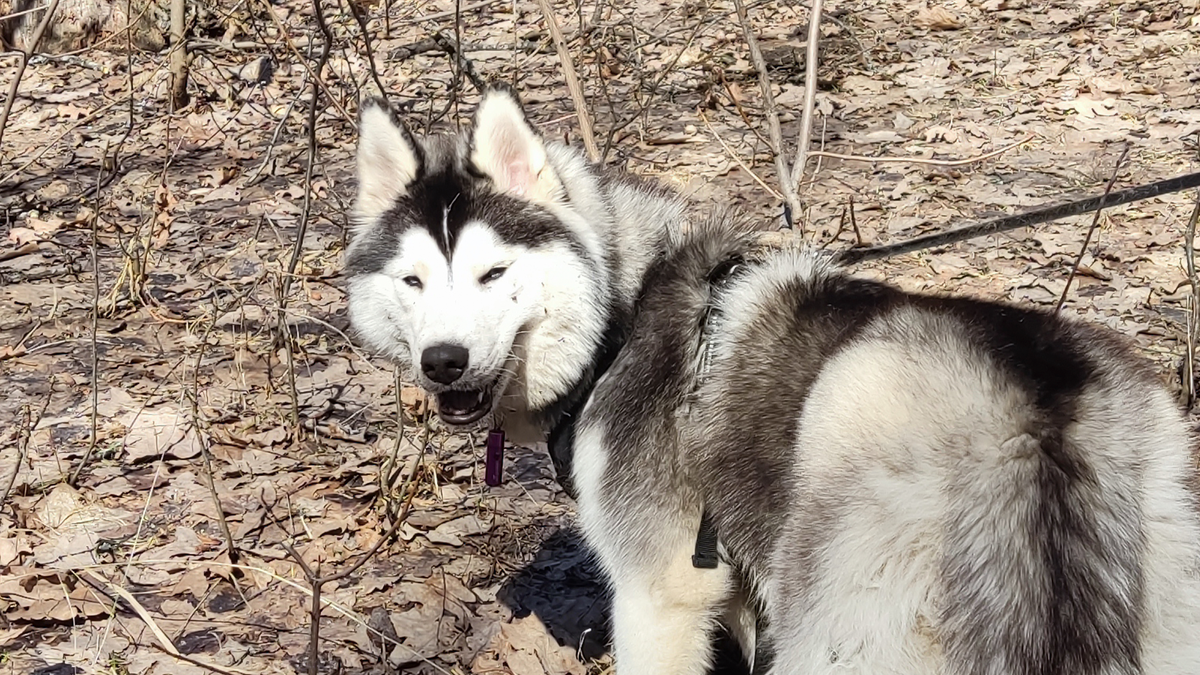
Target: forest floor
{"x": 195, "y": 216}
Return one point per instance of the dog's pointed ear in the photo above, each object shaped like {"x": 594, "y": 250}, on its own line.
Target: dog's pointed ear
{"x": 389, "y": 158}
{"x": 508, "y": 151}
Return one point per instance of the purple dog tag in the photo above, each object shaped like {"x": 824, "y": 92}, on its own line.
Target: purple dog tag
{"x": 493, "y": 460}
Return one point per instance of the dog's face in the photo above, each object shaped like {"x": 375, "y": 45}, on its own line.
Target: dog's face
{"x": 460, "y": 265}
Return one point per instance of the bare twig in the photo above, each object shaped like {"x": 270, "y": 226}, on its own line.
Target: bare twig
{"x": 254, "y": 177}
{"x": 179, "y": 56}
{"x": 651, "y": 91}
{"x": 16, "y": 81}
{"x": 317, "y": 581}
{"x": 23, "y": 434}
{"x": 1193, "y": 321}
{"x": 285, "y": 281}
{"x": 733, "y": 155}
{"x": 564, "y": 57}
{"x": 810, "y": 92}
{"x": 791, "y": 201}
{"x": 137, "y": 607}
{"x": 74, "y": 479}
{"x": 202, "y": 434}
{"x": 284, "y": 35}
{"x": 924, "y": 160}
{"x": 366, "y": 37}
{"x": 23, "y": 12}
{"x": 737, "y": 104}
{"x": 464, "y": 65}
{"x": 1026, "y": 219}
{"x": 1087, "y": 238}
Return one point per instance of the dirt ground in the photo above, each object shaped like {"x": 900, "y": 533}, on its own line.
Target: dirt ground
{"x": 224, "y": 374}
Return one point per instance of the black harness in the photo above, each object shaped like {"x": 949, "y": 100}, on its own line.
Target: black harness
{"x": 561, "y": 440}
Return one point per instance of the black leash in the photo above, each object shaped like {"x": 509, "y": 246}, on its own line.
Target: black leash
{"x": 1042, "y": 215}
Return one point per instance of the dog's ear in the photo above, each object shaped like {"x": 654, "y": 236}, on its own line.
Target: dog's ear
{"x": 508, "y": 151}
{"x": 389, "y": 158}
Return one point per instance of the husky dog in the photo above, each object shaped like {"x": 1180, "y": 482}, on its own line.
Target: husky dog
{"x": 895, "y": 483}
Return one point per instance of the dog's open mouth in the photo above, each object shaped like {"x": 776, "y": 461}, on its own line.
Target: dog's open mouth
{"x": 464, "y": 407}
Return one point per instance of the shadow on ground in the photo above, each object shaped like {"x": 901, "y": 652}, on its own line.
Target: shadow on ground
{"x": 563, "y": 587}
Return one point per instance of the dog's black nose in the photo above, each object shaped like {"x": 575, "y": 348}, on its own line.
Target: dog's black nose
{"x": 444, "y": 363}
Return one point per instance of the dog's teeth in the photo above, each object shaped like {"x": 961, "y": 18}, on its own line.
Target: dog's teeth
{"x": 479, "y": 397}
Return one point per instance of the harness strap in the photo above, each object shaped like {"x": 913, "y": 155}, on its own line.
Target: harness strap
{"x": 705, "y": 556}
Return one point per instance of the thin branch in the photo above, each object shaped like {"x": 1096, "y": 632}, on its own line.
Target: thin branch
{"x": 366, "y": 36}
{"x": 1006, "y": 223}
{"x": 306, "y": 211}
{"x": 179, "y": 56}
{"x": 316, "y": 581}
{"x": 16, "y": 82}
{"x": 205, "y": 442}
{"x": 651, "y": 91}
{"x": 283, "y": 34}
{"x": 24, "y": 432}
{"x": 23, "y": 12}
{"x": 138, "y": 609}
{"x": 774, "y": 193}
{"x": 924, "y": 160}
{"x": 1193, "y": 321}
{"x": 275, "y": 135}
{"x": 463, "y": 64}
{"x": 791, "y": 201}
{"x": 87, "y": 456}
{"x": 1087, "y": 238}
{"x": 568, "y": 67}
{"x": 810, "y": 92}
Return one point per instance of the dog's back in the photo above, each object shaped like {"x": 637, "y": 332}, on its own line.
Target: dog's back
{"x": 909, "y": 484}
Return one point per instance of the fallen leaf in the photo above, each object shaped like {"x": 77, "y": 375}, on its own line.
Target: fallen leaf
{"x": 1086, "y": 107}
{"x": 941, "y": 133}
{"x": 159, "y": 432}
{"x": 936, "y": 18}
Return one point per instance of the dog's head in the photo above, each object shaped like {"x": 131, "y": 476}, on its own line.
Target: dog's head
{"x": 473, "y": 261}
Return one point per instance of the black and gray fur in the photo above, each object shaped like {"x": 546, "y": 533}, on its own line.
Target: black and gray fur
{"x": 900, "y": 484}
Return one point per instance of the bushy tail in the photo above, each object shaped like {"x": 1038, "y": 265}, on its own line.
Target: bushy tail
{"x": 1042, "y": 566}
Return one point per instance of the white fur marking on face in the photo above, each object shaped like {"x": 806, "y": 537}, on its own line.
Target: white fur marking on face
{"x": 446, "y": 219}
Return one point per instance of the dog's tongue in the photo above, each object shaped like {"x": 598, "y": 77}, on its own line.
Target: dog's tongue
{"x": 458, "y": 402}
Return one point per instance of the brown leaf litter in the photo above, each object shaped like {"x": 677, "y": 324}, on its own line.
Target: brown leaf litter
{"x": 196, "y": 228}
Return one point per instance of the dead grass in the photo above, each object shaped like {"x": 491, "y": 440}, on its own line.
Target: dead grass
{"x": 202, "y": 305}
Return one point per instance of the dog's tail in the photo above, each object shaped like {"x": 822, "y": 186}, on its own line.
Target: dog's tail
{"x": 1043, "y": 566}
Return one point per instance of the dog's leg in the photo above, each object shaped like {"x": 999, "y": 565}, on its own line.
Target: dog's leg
{"x": 741, "y": 619}
{"x": 643, "y": 530}
{"x": 663, "y": 617}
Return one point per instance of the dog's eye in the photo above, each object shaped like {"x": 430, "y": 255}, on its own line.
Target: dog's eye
{"x": 493, "y": 274}
{"x": 412, "y": 280}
